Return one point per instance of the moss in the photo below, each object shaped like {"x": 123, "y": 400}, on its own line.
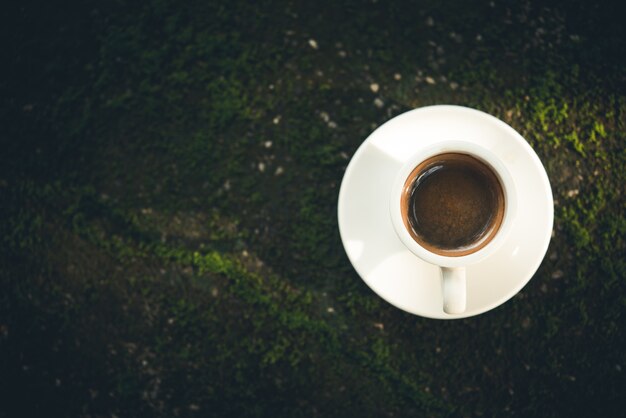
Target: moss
{"x": 169, "y": 182}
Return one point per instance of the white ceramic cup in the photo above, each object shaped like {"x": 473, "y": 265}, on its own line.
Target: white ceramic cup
{"x": 453, "y": 267}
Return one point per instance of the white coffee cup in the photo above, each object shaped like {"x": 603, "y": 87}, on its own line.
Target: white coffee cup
{"x": 453, "y": 268}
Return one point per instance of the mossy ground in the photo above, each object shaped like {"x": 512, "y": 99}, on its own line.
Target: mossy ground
{"x": 168, "y": 192}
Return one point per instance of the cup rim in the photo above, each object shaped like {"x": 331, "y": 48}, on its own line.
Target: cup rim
{"x": 476, "y": 151}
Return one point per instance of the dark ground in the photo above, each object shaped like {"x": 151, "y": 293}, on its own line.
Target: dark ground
{"x": 168, "y": 185}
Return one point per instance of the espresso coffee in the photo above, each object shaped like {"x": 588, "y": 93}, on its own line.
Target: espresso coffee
{"x": 452, "y": 204}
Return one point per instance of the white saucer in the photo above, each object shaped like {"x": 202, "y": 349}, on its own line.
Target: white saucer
{"x": 378, "y": 255}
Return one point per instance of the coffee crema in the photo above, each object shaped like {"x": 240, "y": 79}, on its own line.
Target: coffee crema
{"x": 452, "y": 204}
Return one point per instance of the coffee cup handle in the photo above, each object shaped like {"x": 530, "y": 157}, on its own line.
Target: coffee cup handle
{"x": 454, "y": 289}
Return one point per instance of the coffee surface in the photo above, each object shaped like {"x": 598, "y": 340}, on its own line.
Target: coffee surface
{"x": 455, "y": 203}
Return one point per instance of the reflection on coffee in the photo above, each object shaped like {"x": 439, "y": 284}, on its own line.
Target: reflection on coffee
{"x": 452, "y": 204}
